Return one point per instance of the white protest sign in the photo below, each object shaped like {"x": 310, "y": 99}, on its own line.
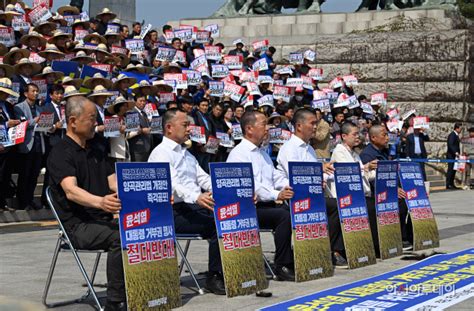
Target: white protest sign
{"x": 165, "y": 54}
{"x": 379, "y": 99}
{"x": 213, "y": 29}
{"x": 219, "y": 71}
{"x": 216, "y": 88}
{"x": 197, "y": 134}
{"x": 350, "y": 80}
{"x": 321, "y": 104}
{"x": 233, "y": 61}
{"x": 194, "y": 77}
{"x": 316, "y": 73}
{"x": 234, "y": 91}
{"x": 310, "y": 55}
{"x": 421, "y": 123}
{"x": 180, "y": 78}
{"x": 213, "y": 52}
{"x": 296, "y": 58}
{"x": 282, "y": 92}
{"x": 260, "y": 65}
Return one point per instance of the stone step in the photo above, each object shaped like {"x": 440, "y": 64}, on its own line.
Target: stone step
{"x": 22, "y": 216}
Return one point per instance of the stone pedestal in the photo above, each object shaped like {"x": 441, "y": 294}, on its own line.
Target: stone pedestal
{"x": 422, "y": 58}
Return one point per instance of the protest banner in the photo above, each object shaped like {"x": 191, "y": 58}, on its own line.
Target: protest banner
{"x": 353, "y": 215}
{"x": 321, "y": 104}
{"x": 198, "y": 52}
{"x": 253, "y": 89}
{"x": 278, "y": 135}
{"x": 147, "y": 235}
{"x": 425, "y": 230}
{"x": 135, "y": 46}
{"x": 248, "y": 76}
{"x": 435, "y": 283}
{"x": 180, "y": 78}
{"x": 185, "y": 35}
{"x": 192, "y": 76}
{"x": 394, "y": 125}
{"x": 307, "y": 82}
{"x": 7, "y": 36}
{"x": 266, "y": 100}
{"x": 350, "y": 80}
{"x": 332, "y": 96}
{"x": 219, "y": 71}
{"x": 70, "y": 19}
{"x": 233, "y": 61}
{"x": 132, "y": 121}
{"x": 311, "y": 246}
{"x": 230, "y": 78}
{"x": 353, "y": 102}
{"x": 213, "y": 29}
{"x": 179, "y": 57}
{"x": 261, "y": 45}
{"x": 224, "y": 139}
{"x": 69, "y": 68}
{"x": 408, "y": 114}
{"x": 260, "y": 65}
{"x": 342, "y": 100}
{"x": 237, "y": 228}
{"x": 378, "y": 99}
{"x": 310, "y": 55}
{"x": 107, "y": 68}
{"x": 265, "y": 80}
{"x": 156, "y": 125}
{"x": 197, "y": 134}
{"x": 284, "y": 70}
{"x": 42, "y": 88}
{"x": 295, "y": 83}
{"x": 216, "y": 88}
{"x": 202, "y": 36}
{"x": 386, "y": 207}
{"x": 393, "y": 114}
{"x": 234, "y": 91}
{"x": 145, "y": 30}
{"x": 45, "y": 3}
{"x": 14, "y": 135}
{"x": 237, "y": 132}
{"x": 317, "y": 95}
{"x": 282, "y": 92}
{"x": 200, "y": 64}
{"x": 213, "y": 52}
{"x": 39, "y": 14}
{"x": 165, "y": 54}
{"x": 20, "y": 23}
{"x": 296, "y": 58}
{"x": 169, "y": 35}
{"x": 212, "y": 145}
{"x": 247, "y": 101}
{"x": 336, "y": 83}
{"x": 166, "y": 97}
{"x": 421, "y": 123}
{"x": 366, "y": 108}
{"x": 115, "y": 49}
{"x": 316, "y": 74}
{"x": 112, "y": 126}
{"x": 45, "y": 122}
{"x": 151, "y": 110}
{"x": 113, "y": 28}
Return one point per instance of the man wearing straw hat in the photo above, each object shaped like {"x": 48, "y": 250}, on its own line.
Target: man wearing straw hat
{"x": 25, "y": 69}
{"x": 99, "y": 97}
{"x": 7, "y": 120}
{"x": 84, "y": 189}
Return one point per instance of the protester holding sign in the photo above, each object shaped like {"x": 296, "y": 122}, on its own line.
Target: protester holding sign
{"x": 140, "y": 141}
{"x": 416, "y": 147}
{"x": 84, "y": 193}
{"x": 191, "y": 206}
{"x": 268, "y": 189}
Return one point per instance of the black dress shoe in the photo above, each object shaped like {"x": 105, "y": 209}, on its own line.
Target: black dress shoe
{"x": 115, "y": 306}
{"x": 339, "y": 261}
{"x": 215, "y": 283}
{"x": 284, "y": 274}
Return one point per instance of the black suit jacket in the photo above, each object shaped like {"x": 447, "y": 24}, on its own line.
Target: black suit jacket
{"x": 23, "y": 84}
{"x": 141, "y": 143}
{"x": 57, "y": 136}
{"x": 453, "y": 145}
{"x": 199, "y": 120}
{"x": 411, "y": 145}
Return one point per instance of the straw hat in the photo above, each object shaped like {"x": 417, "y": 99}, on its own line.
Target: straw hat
{"x": 102, "y": 48}
{"x": 139, "y": 68}
{"x": 122, "y": 77}
{"x": 162, "y": 87}
{"x": 50, "y": 49}
{"x": 113, "y": 60}
{"x": 8, "y": 58}
{"x": 9, "y": 70}
{"x": 145, "y": 87}
{"x": 45, "y": 27}
{"x": 82, "y": 57}
{"x": 25, "y": 40}
{"x": 71, "y": 81}
{"x": 70, "y": 91}
{"x": 81, "y": 47}
{"x": 68, "y": 10}
{"x": 59, "y": 34}
{"x": 3, "y": 49}
{"x": 105, "y": 12}
{"x": 59, "y": 19}
{"x": 99, "y": 90}
{"x": 6, "y": 86}
{"x": 172, "y": 68}
{"x": 49, "y": 71}
{"x": 10, "y": 10}
{"x": 81, "y": 23}
{"x": 97, "y": 79}
{"x": 275, "y": 115}
{"x": 26, "y": 62}
{"x": 96, "y": 36}
{"x": 112, "y": 33}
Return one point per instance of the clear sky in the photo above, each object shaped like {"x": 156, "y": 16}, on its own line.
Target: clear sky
{"x": 158, "y": 12}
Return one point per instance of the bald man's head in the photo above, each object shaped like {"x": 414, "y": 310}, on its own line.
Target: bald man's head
{"x": 378, "y": 136}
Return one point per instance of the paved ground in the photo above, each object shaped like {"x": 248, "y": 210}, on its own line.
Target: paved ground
{"x": 26, "y": 252}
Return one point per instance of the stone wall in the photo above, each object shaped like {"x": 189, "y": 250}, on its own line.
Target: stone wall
{"x": 421, "y": 58}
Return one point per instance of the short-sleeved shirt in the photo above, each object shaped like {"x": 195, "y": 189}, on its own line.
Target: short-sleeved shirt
{"x": 91, "y": 169}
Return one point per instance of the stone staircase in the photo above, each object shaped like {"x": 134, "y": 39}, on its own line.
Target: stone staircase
{"x": 435, "y": 177}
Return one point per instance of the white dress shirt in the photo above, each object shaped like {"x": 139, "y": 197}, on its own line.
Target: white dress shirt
{"x": 416, "y": 139}
{"x": 343, "y": 155}
{"x": 187, "y": 177}
{"x": 262, "y": 166}
{"x": 295, "y": 150}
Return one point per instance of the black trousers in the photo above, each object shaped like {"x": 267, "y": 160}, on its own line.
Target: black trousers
{"x": 102, "y": 235}
{"x": 422, "y": 165}
{"x": 334, "y": 224}
{"x": 370, "y": 202}
{"x": 6, "y": 169}
{"x": 405, "y": 221}
{"x": 139, "y": 156}
{"x": 277, "y": 218}
{"x": 193, "y": 219}
{"x": 450, "y": 175}
{"x": 28, "y": 172}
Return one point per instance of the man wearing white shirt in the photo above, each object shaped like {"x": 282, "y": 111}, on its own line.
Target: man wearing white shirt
{"x": 267, "y": 189}
{"x": 192, "y": 207}
{"x": 298, "y": 149}
{"x": 344, "y": 152}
